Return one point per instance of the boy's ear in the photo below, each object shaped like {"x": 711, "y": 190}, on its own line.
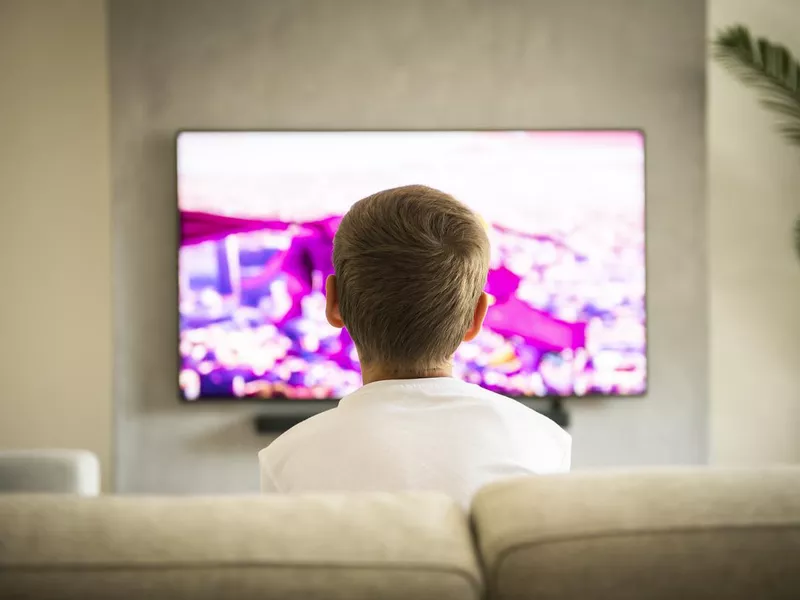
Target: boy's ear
{"x": 477, "y": 317}
{"x": 332, "y": 303}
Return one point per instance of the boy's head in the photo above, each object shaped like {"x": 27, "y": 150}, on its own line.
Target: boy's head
{"x": 411, "y": 264}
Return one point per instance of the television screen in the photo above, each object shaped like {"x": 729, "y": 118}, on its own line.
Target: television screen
{"x": 565, "y": 212}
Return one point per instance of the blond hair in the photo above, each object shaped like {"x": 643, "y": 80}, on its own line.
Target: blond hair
{"x": 410, "y": 263}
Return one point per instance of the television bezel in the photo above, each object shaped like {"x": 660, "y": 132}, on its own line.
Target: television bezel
{"x": 331, "y": 402}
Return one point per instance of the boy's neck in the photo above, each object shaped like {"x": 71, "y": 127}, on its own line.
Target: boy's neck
{"x": 373, "y": 373}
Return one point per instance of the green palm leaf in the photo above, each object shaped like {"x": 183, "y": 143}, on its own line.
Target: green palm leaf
{"x": 773, "y": 71}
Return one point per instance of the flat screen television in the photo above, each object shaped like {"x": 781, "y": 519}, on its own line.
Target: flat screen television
{"x": 258, "y": 211}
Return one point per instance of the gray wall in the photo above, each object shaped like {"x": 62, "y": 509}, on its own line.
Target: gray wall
{"x": 392, "y": 64}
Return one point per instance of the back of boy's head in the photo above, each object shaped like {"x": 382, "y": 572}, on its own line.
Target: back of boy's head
{"x": 411, "y": 264}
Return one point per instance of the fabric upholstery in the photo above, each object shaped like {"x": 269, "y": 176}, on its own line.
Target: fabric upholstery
{"x": 50, "y": 471}
{"x": 650, "y": 535}
{"x": 656, "y": 535}
{"x": 266, "y": 547}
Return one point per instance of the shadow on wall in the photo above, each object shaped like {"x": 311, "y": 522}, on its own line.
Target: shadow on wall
{"x": 232, "y": 436}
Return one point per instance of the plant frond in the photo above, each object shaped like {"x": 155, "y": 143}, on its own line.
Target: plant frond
{"x": 768, "y": 67}
{"x": 787, "y": 109}
{"x": 774, "y": 72}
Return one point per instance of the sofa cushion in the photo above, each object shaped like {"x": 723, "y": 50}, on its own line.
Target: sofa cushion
{"x": 274, "y": 547}
{"x": 669, "y": 534}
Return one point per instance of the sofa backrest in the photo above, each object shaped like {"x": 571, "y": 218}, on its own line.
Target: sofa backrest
{"x": 239, "y": 548}
{"x": 653, "y": 535}
{"x": 647, "y": 535}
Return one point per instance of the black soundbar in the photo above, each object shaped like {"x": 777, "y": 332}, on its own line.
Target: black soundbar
{"x": 272, "y": 424}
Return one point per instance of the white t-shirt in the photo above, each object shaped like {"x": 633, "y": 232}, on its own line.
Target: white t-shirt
{"x": 416, "y": 434}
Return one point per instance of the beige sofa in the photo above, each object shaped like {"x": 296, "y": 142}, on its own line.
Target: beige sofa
{"x": 677, "y": 535}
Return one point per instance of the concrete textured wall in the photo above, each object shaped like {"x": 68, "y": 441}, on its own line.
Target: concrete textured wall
{"x": 412, "y": 64}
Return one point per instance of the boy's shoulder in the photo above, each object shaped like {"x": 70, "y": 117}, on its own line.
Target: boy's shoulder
{"x": 306, "y": 429}
{"x": 523, "y": 417}
{"x": 507, "y": 404}
{"x": 517, "y": 416}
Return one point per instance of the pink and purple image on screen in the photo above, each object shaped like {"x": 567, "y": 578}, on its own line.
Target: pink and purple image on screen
{"x": 565, "y": 211}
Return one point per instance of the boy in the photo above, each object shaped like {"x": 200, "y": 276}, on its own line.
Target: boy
{"x": 410, "y": 267}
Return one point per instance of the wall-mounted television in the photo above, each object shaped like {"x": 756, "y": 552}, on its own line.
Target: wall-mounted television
{"x": 258, "y": 212}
